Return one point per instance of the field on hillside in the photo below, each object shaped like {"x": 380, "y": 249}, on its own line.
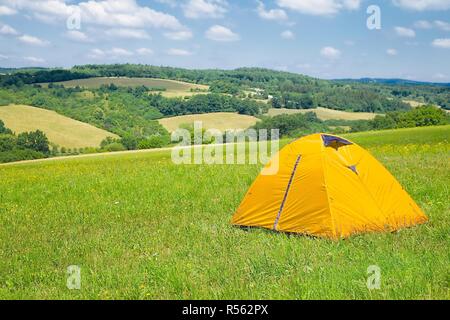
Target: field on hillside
{"x": 173, "y": 88}
{"x": 326, "y": 114}
{"x": 414, "y": 103}
{"x": 140, "y": 227}
{"x": 219, "y": 120}
{"x": 61, "y": 130}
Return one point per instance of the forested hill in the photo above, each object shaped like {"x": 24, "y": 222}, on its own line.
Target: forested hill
{"x": 131, "y": 108}
{"x": 401, "y": 82}
{"x": 286, "y": 90}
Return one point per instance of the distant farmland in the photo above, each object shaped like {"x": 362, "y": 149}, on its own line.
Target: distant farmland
{"x": 326, "y": 114}
{"x": 172, "y": 88}
{"x": 219, "y": 120}
{"x": 61, "y": 130}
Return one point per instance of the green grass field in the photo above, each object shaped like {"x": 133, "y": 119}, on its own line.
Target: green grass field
{"x": 218, "y": 120}
{"x": 141, "y": 227}
{"x": 325, "y": 114}
{"x": 61, "y": 130}
{"x": 173, "y": 88}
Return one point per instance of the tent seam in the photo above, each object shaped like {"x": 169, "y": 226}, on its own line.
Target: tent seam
{"x": 325, "y": 172}
{"x": 291, "y": 179}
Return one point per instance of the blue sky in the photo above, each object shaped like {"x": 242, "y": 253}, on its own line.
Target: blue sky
{"x": 321, "y": 38}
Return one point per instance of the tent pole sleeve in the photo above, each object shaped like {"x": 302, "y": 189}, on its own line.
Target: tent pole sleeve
{"x": 275, "y": 225}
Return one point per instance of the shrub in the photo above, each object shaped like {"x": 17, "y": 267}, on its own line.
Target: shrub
{"x": 152, "y": 142}
{"x": 20, "y": 154}
{"x": 7, "y": 142}
{"x": 129, "y": 141}
{"x": 107, "y": 141}
{"x": 114, "y": 147}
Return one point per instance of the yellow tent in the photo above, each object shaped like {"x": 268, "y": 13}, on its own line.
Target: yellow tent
{"x": 329, "y": 187}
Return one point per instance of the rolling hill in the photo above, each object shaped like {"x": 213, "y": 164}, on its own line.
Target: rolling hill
{"x": 61, "y": 130}
{"x": 326, "y": 114}
{"x": 219, "y": 120}
{"x": 394, "y": 81}
{"x": 172, "y": 88}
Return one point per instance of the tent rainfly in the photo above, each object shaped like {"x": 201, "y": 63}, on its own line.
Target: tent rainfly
{"x": 329, "y": 187}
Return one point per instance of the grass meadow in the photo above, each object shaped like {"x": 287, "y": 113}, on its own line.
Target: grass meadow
{"x": 141, "y": 227}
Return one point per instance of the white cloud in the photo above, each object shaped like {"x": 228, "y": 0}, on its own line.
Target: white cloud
{"x": 422, "y": 5}
{"x": 423, "y": 24}
{"x": 272, "y": 14}
{"x": 221, "y": 33}
{"x": 34, "y": 60}
{"x": 8, "y": 30}
{"x": 112, "y": 13}
{"x": 196, "y": 9}
{"x": 179, "y": 35}
{"x": 440, "y": 76}
{"x": 441, "y": 43}
{"x": 439, "y": 24}
{"x": 78, "y": 36}
{"x": 3, "y": 57}
{"x": 330, "y": 53}
{"x": 108, "y": 54}
{"x": 120, "y": 52}
{"x": 405, "y": 32}
{"x": 7, "y": 11}
{"x": 319, "y": 7}
{"x": 96, "y": 53}
{"x": 392, "y": 52}
{"x": 33, "y": 40}
{"x": 144, "y": 51}
{"x": 445, "y": 26}
{"x": 179, "y": 52}
{"x": 127, "y": 33}
{"x": 287, "y": 35}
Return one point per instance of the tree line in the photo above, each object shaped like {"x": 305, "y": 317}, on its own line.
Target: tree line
{"x": 302, "y": 124}
{"x": 24, "y": 146}
{"x": 289, "y": 90}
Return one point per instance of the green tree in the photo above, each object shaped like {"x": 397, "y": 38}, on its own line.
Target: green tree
{"x": 107, "y": 141}
{"x": 4, "y": 129}
{"x": 35, "y": 140}
{"x": 7, "y": 142}
{"x": 114, "y": 147}
{"x": 129, "y": 141}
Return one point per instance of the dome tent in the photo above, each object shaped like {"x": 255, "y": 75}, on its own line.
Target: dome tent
{"x": 327, "y": 186}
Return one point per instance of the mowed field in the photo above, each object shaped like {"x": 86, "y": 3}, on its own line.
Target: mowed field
{"x": 173, "y": 88}
{"x": 141, "y": 227}
{"x": 326, "y": 114}
{"x": 218, "y": 120}
{"x": 61, "y": 130}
